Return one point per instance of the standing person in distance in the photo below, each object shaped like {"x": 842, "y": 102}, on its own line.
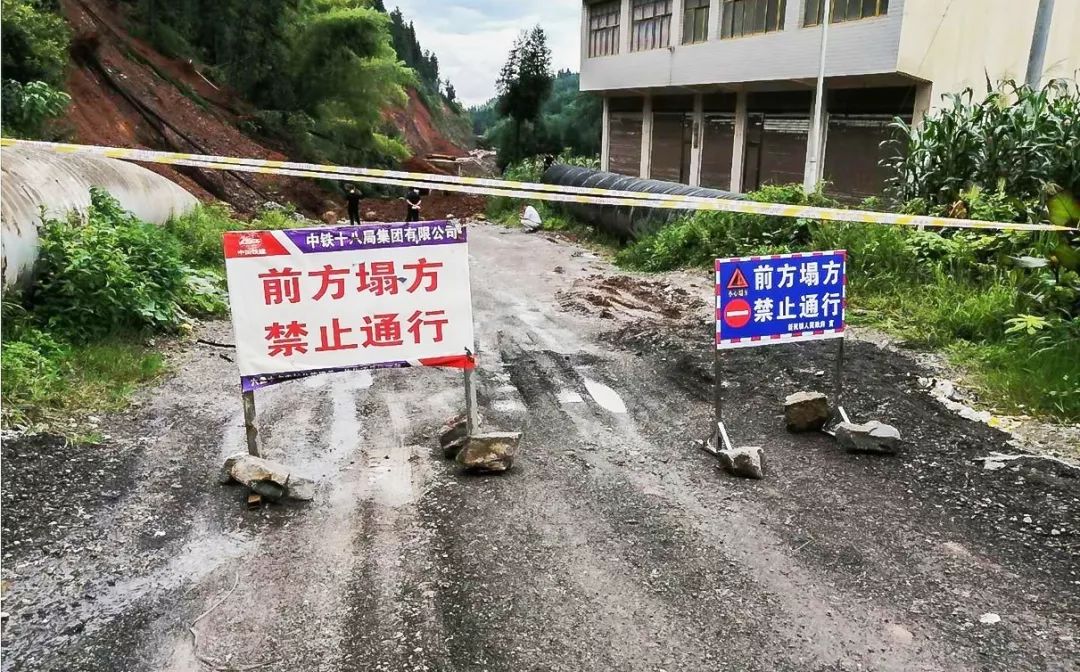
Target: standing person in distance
{"x": 412, "y": 205}
{"x": 352, "y": 197}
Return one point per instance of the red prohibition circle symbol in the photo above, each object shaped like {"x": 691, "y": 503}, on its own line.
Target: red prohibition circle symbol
{"x": 737, "y": 314}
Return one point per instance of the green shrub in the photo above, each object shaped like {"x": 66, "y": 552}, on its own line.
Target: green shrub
{"x": 697, "y": 239}
{"x": 35, "y": 54}
{"x": 34, "y": 42}
{"x": 28, "y": 108}
{"x": 885, "y": 252}
{"x": 1015, "y": 142}
{"x": 32, "y": 369}
{"x": 272, "y": 220}
{"x": 45, "y": 379}
{"x": 199, "y": 233}
{"x": 114, "y": 273}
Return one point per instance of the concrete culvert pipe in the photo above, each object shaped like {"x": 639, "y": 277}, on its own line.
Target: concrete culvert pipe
{"x": 60, "y": 183}
{"x": 626, "y": 223}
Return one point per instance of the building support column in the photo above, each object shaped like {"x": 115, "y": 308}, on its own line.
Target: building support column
{"x": 738, "y": 152}
{"x": 624, "y": 27}
{"x": 605, "y": 136}
{"x": 697, "y": 133}
{"x": 816, "y": 139}
{"x": 646, "y": 138}
{"x": 923, "y": 98}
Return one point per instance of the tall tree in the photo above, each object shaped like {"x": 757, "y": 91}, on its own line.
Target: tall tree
{"x": 524, "y": 84}
{"x": 409, "y": 51}
{"x": 534, "y": 75}
{"x": 320, "y": 72}
{"x": 343, "y": 71}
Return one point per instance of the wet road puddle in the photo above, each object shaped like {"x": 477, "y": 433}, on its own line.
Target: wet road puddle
{"x": 569, "y": 397}
{"x": 608, "y": 398}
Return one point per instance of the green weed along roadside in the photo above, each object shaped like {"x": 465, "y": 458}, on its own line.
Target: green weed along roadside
{"x": 961, "y": 292}
{"x": 1005, "y": 305}
{"x": 107, "y": 291}
{"x": 958, "y": 292}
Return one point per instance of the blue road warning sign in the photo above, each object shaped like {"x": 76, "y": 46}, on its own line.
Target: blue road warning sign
{"x": 780, "y": 298}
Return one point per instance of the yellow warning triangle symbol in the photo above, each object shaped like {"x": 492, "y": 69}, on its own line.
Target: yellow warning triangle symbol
{"x": 738, "y": 280}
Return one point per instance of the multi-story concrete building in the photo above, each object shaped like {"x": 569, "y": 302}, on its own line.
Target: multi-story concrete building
{"x": 720, "y": 93}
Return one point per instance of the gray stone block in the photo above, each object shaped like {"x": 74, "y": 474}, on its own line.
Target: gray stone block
{"x": 806, "y": 411}
{"x": 267, "y": 478}
{"x": 748, "y": 461}
{"x": 493, "y": 451}
{"x": 870, "y": 437}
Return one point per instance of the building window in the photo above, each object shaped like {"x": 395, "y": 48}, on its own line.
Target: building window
{"x": 650, "y": 24}
{"x": 844, "y": 10}
{"x": 695, "y": 27}
{"x": 694, "y": 21}
{"x": 604, "y": 28}
{"x": 746, "y": 17}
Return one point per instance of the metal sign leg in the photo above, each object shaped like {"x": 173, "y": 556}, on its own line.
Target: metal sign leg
{"x": 719, "y": 439}
{"x": 472, "y": 417}
{"x": 838, "y": 381}
{"x": 249, "y": 424}
{"x": 718, "y": 395}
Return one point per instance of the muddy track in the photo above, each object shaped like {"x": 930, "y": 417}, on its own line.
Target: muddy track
{"x": 615, "y": 543}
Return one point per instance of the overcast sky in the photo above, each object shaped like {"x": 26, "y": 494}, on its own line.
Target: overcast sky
{"x": 471, "y": 37}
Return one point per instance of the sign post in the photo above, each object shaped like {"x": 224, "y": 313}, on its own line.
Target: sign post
{"x": 250, "y": 428}
{"x": 781, "y": 298}
{"x": 471, "y": 415}
{"x": 310, "y": 301}
{"x": 838, "y": 382}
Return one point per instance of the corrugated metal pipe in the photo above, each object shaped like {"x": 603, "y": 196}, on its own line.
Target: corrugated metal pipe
{"x": 626, "y": 223}
{"x": 35, "y": 180}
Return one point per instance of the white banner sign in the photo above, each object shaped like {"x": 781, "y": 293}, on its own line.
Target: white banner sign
{"x": 306, "y": 301}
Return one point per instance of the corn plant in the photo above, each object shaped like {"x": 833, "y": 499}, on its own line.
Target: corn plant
{"x": 1015, "y": 141}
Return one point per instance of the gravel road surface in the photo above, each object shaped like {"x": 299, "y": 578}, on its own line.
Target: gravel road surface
{"x": 614, "y": 544}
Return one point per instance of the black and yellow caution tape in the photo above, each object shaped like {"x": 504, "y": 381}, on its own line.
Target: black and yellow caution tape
{"x": 521, "y": 190}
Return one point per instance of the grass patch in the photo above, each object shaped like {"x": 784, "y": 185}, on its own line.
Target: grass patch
{"x": 46, "y": 388}
{"x": 1016, "y": 329}
{"x": 935, "y": 315}
{"x": 81, "y": 341}
{"x": 1034, "y": 374}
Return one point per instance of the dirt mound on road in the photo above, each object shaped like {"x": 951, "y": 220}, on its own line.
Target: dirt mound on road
{"x": 646, "y": 314}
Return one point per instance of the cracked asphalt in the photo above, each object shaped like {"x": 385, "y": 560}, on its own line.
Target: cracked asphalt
{"x": 614, "y": 544}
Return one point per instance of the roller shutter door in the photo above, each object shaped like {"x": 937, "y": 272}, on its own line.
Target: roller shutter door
{"x": 853, "y": 154}
{"x": 783, "y": 149}
{"x": 670, "y": 148}
{"x": 625, "y": 145}
{"x": 718, "y": 143}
